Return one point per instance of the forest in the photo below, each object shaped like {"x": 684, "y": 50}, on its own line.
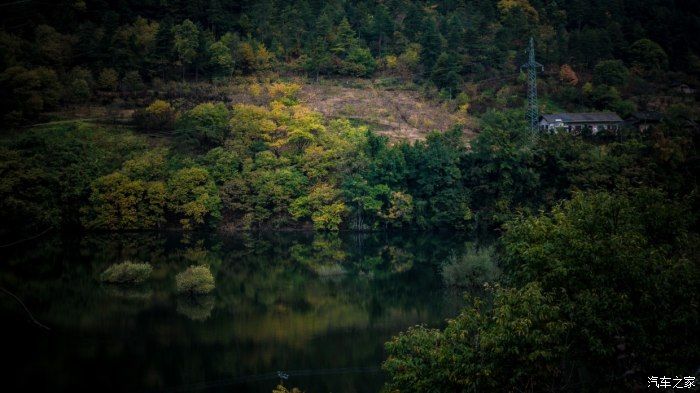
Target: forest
{"x": 200, "y": 116}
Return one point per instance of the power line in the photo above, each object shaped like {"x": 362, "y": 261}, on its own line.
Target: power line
{"x": 15, "y": 2}
{"x": 26, "y": 240}
{"x": 31, "y": 316}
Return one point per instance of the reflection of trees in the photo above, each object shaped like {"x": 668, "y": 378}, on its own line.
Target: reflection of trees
{"x": 111, "y": 248}
{"x": 324, "y": 255}
{"x": 196, "y": 308}
{"x": 277, "y": 294}
{"x": 271, "y": 306}
{"x": 134, "y": 293}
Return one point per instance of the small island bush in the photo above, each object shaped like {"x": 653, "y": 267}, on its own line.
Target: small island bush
{"x": 195, "y": 280}
{"x": 127, "y": 273}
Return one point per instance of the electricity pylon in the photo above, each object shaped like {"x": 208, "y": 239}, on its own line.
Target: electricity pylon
{"x": 532, "y": 66}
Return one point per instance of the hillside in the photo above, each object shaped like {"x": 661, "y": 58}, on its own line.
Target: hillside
{"x": 537, "y": 159}
{"x": 402, "y": 113}
{"x": 399, "y": 114}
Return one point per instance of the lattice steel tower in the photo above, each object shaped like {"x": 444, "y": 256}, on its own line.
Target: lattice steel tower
{"x": 532, "y": 66}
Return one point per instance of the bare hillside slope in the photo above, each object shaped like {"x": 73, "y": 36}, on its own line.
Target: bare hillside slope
{"x": 399, "y": 114}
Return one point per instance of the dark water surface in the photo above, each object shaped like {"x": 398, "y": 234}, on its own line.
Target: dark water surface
{"x": 317, "y": 307}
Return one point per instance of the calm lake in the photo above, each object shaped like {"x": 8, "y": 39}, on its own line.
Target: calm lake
{"x": 317, "y": 307}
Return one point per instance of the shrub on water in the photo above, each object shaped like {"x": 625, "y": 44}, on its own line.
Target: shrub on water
{"x": 195, "y": 280}
{"x": 127, "y": 273}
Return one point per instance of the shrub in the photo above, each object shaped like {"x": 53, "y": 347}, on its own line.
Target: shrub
{"x": 518, "y": 341}
{"x": 159, "y": 116}
{"x": 472, "y": 268}
{"x": 195, "y": 280}
{"x": 359, "y": 62}
{"x": 206, "y": 123}
{"x": 28, "y": 92}
{"x": 127, "y": 273}
{"x": 78, "y": 86}
{"x": 648, "y": 56}
{"x": 193, "y": 196}
{"x": 108, "y": 79}
{"x": 611, "y": 72}
{"x": 284, "y": 91}
{"x": 132, "y": 82}
{"x": 120, "y": 202}
{"x": 282, "y": 389}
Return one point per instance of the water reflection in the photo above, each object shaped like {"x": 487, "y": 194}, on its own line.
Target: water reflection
{"x": 322, "y": 305}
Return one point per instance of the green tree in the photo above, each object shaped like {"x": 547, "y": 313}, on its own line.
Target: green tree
{"x": 431, "y": 44}
{"x": 323, "y": 205}
{"x": 359, "y": 62}
{"x": 78, "y": 86}
{"x": 221, "y": 58}
{"x": 108, "y": 79}
{"x": 603, "y": 97}
{"x": 501, "y": 176}
{"x": 613, "y": 260}
{"x": 345, "y": 39}
{"x": 48, "y": 172}
{"x": 365, "y": 202}
{"x": 648, "y": 56}
{"x": 317, "y": 59}
{"x": 164, "y": 52}
{"x": 408, "y": 62}
{"x": 132, "y": 82}
{"x": 185, "y": 43}
{"x": 158, "y": 116}
{"x": 53, "y": 49}
{"x": 445, "y": 73}
{"x": 133, "y": 45}
{"x": 400, "y": 209}
{"x": 519, "y": 341}
{"x": 610, "y": 72}
{"x": 519, "y": 20}
{"x": 193, "y": 196}
{"x": 12, "y": 50}
{"x": 206, "y": 124}
{"x": 28, "y": 92}
{"x": 273, "y": 191}
{"x": 120, "y": 203}
{"x": 222, "y": 163}
{"x": 382, "y": 27}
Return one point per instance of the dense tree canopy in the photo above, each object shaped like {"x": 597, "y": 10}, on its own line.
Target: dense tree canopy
{"x": 443, "y": 44}
{"x": 590, "y": 279}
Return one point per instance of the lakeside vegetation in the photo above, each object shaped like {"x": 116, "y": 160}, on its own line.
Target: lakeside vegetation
{"x": 580, "y": 277}
{"x": 127, "y": 273}
{"x": 282, "y": 165}
{"x": 592, "y": 282}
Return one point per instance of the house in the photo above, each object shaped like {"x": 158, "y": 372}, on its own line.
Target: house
{"x": 644, "y": 120}
{"x": 683, "y": 89}
{"x": 577, "y": 122}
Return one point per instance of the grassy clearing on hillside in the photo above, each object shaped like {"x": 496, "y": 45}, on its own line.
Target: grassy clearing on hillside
{"x": 400, "y": 114}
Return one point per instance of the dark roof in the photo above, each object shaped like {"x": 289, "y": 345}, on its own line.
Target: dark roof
{"x": 590, "y": 117}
